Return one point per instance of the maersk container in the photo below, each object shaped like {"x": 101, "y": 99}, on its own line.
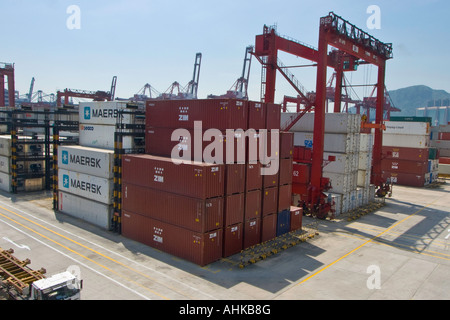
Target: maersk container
{"x": 102, "y": 136}
{"x": 408, "y": 128}
{"x": 107, "y": 113}
{"x": 194, "y": 179}
{"x": 333, "y": 142}
{"x": 232, "y": 239}
{"x": 252, "y": 233}
{"x": 200, "y": 215}
{"x": 334, "y": 122}
{"x": 87, "y": 186}
{"x": 219, "y": 114}
{"x": 199, "y": 248}
{"x": 92, "y": 161}
{"x": 94, "y": 212}
{"x": 406, "y": 140}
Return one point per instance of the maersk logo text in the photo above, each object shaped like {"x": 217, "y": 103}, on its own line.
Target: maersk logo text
{"x": 65, "y": 157}
{"x": 87, "y": 113}
{"x": 66, "y": 181}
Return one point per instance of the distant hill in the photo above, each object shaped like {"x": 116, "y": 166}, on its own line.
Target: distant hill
{"x": 410, "y": 98}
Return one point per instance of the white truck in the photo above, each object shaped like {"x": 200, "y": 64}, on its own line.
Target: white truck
{"x": 22, "y": 283}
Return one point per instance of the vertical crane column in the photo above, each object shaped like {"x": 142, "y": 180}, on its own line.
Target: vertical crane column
{"x": 271, "y": 69}
{"x": 378, "y": 139}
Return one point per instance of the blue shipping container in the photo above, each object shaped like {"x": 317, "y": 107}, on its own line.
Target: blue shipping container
{"x": 283, "y": 222}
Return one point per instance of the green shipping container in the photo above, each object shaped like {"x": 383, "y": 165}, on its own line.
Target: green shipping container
{"x": 433, "y": 153}
{"x": 412, "y": 119}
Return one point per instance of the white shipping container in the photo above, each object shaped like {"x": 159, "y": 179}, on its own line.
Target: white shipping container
{"x": 345, "y": 202}
{"x": 363, "y": 178}
{"x": 102, "y": 136}
{"x": 334, "y": 122}
{"x": 444, "y": 168}
{"x": 333, "y": 142}
{"x": 444, "y": 152}
{"x": 340, "y": 183}
{"x": 364, "y": 161}
{"x": 5, "y": 145}
{"x": 353, "y": 200}
{"x": 93, "y": 161}
{"x": 94, "y": 212}
{"x": 106, "y": 113}
{"x": 406, "y": 140}
{"x": 414, "y": 128}
{"x": 336, "y": 198}
{"x": 342, "y": 164}
{"x": 360, "y": 196}
{"x": 87, "y": 186}
{"x": 444, "y": 128}
{"x": 372, "y": 190}
{"x": 365, "y": 142}
{"x": 5, "y": 164}
{"x": 440, "y": 144}
{"x": 5, "y": 182}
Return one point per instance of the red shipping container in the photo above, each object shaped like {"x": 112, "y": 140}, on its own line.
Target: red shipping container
{"x": 269, "y": 227}
{"x": 444, "y": 160}
{"x": 200, "y": 215}
{"x": 444, "y": 136}
{"x": 284, "y": 197}
{"x": 158, "y": 142}
{"x": 413, "y": 154}
{"x": 199, "y": 248}
{"x": 300, "y": 188}
{"x": 271, "y": 180}
{"x": 197, "y": 180}
{"x": 286, "y": 144}
{"x": 252, "y": 233}
{"x": 286, "y": 171}
{"x": 234, "y": 209}
{"x": 232, "y": 239}
{"x": 405, "y": 179}
{"x": 234, "y": 178}
{"x": 273, "y": 116}
{"x": 253, "y": 177}
{"x": 308, "y": 154}
{"x": 253, "y": 203}
{"x": 269, "y": 201}
{"x": 296, "y": 218}
{"x": 405, "y": 166}
{"x": 219, "y": 114}
{"x": 301, "y": 173}
{"x": 299, "y": 153}
{"x": 256, "y": 115}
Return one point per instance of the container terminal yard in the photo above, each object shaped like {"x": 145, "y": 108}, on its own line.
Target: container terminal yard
{"x": 176, "y": 197}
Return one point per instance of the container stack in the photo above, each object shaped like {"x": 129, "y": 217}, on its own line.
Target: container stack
{"x": 407, "y": 157}
{"x": 440, "y": 139}
{"x": 29, "y": 168}
{"x": 239, "y": 206}
{"x": 347, "y": 160}
{"x": 86, "y": 171}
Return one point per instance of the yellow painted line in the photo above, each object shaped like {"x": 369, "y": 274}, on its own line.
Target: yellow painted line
{"x": 77, "y": 253}
{"x": 364, "y": 244}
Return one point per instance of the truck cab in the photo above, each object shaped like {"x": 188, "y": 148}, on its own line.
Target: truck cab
{"x": 62, "y": 286}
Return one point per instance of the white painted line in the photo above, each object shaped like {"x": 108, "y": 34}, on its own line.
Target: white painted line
{"x": 20, "y": 246}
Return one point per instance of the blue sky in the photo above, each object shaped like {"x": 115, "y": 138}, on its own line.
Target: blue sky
{"x": 155, "y": 41}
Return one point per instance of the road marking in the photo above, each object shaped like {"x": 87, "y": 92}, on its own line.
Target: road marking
{"x": 448, "y": 236}
{"x": 20, "y": 246}
{"x": 364, "y": 244}
{"x": 77, "y": 261}
{"x": 76, "y": 252}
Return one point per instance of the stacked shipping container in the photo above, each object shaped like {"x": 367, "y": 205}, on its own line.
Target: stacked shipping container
{"x": 440, "y": 139}
{"x": 239, "y": 205}
{"x": 407, "y": 157}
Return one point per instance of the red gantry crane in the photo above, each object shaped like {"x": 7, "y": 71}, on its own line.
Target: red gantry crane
{"x": 7, "y": 70}
{"x": 353, "y": 45}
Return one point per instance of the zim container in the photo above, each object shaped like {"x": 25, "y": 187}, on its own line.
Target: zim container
{"x": 252, "y": 204}
{"x": 219, "y": 114}
{"x": 405, "y": 179}
{"x": 405, "y": 166}
{"x": 199, "y": 248}
{"x": 234, "y": 209}
{"x": 413, "y": 154}
{"x": 252, "y": 233}
{"x": 232, "y": 239}
{"x": 195, "y": 179}
{"x": 269, "y": 227}
{"x": 284, "y": 197}
{"x": 269, "y": 201}
{"x": 200, "y": 215}
{"x": 296, "y": 218}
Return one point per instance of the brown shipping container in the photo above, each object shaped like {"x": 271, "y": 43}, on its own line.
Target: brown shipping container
{"x": 269, "y": 201}
{"x": 284, "y": 197}
{"x": 199, "y": 248}
{"x": 219, "y": 114}
{"x": 253, "y": 177}
{"x": 252, "y": 204}
{"x": 234, "y": 209}
{"x": 256, "y": 115}
{"x": 269, "y": 227}
{"x": 405, "y": 166}
{"x": 200, "y": 215}
{"x": 158, "y": 142}
{"x": 271, "y": 180}
{"x": 296, "y": 218}
{"x": 252, "y": 233}
{"x": 273, "y": 116}
{"x": 405, "y": 179}
{"x": 286, "y": 167}
{"x": 197, "y": 180}
{"x": 234, "y": 178}
{"x": 232, "y": 239}
{"x": 286, "y": 145}
{"x": 413, "y": 154}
